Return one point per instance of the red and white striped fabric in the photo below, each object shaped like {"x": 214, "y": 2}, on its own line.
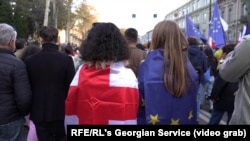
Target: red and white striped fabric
{"x": 103, "y": 96}
{"x": 211, "y": 43}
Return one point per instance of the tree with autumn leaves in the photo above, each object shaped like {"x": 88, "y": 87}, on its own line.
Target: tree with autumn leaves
{"x": 27, "y": 16}
{"x": 86, "y": 15}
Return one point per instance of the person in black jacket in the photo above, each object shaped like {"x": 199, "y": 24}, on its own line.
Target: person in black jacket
{"x": 212, "y": 67}
{"x": 223, "y": 94}
{"x": 199, "y": 61}
{"x": 15, "y": 91}
{"x": 50, "y": 73}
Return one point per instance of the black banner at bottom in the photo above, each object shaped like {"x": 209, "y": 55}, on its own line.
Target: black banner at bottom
{"x": 227, "y": 132}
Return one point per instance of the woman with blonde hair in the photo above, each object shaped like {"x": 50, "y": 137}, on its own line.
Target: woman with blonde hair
{"x": 168, "y": 83}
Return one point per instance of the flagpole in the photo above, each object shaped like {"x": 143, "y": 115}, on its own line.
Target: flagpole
{"x": 210, "y": 11}
{"x": 236, "y": 28}
{"x": 209, "y": 40}
{"x": 216, "y": 32}
{"x": 209, "y": 21}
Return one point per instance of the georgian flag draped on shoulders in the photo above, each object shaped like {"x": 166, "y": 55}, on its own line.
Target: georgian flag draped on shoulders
{"x": 103, "y": 96}
{"x": 157, "y": 105}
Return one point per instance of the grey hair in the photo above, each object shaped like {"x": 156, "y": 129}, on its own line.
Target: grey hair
{"x": 7, "y": 33}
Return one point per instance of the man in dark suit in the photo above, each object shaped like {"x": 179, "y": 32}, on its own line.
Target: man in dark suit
{"x": 50, "y": 73}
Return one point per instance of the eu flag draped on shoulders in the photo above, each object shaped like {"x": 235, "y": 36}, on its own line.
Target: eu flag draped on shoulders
{"x": 216, "y": 30}
{"x": 158, "y": 106}
{"x": 192, "y": 31}
{"x": 108, "y": 96}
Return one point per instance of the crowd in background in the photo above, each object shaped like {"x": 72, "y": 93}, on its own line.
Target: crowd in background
{"x": 112, "y": 79}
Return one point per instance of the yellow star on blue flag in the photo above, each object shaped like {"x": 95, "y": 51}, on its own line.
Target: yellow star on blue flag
{"x": 175, "y": 122}
{"x": 154, "y": 119}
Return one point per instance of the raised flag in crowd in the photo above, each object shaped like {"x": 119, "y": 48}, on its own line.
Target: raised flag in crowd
{"x": 191, "y": 30}
{"x": 224, "y": 24}
{"x": 216, "y": 30}
{"x": 245, "y": 31}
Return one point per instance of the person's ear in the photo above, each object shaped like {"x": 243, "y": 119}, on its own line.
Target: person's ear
{"x": 12, "y": 45}
{"x": 57, "y": 40}
{"x": 40, "y": 39}
{"x": 11, "y": 42}
{"x": 25, "y": 45}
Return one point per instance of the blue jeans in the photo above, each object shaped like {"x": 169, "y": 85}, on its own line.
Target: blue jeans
{"x": 217, "y": 115}
{"x": 204, "y": 89}
{"x": 208, "y": 89}
{"x": 12, "y": 131}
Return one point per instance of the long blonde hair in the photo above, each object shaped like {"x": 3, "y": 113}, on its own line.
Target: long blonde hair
{"x": 168, "y": 36}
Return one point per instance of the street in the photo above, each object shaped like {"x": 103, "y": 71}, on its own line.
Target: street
{"x": 205, "y": 115}
{"x": 203, "y": 120}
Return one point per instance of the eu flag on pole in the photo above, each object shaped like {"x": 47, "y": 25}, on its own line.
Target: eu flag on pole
{"x": 191, "y": 30}
{"x": 216, "y": 31}
{"x": 247, "y": 29}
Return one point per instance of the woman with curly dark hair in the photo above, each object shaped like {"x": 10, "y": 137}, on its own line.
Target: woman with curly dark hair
{"x": 103, "y": 90}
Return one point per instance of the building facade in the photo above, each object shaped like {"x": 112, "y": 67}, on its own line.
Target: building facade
{"x": 231, "y": 11}
{"x": 200, "y": 12}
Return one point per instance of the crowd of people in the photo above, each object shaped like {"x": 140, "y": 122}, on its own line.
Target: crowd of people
{"x": 111, "y": 79}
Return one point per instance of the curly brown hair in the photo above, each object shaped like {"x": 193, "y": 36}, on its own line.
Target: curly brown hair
{"x": 104, "y": 43}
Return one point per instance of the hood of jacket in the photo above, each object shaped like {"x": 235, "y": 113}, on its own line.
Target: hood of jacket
{"x": 194, "y": 50}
